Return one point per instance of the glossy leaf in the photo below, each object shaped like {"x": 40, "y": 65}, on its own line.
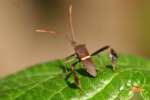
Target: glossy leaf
{"x": 47, "y": 81}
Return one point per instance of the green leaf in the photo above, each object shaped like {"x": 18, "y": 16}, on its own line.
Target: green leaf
{"x": 47, "y": 81}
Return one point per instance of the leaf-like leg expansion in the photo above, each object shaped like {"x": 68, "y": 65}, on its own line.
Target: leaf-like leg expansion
{"x": 113, "y": 54}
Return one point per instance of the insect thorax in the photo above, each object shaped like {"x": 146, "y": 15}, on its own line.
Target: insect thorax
{"x": 81, "y": 51}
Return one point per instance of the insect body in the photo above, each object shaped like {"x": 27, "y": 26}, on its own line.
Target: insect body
{"x": 84, "y": 56}
{"x": 82, "y": 53}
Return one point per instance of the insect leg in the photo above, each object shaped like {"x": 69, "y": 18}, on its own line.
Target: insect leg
{"x": 113, "y": 54}
{"x": 76, "y": 79}
{"x": 114, "y": 57}
{"x": 101, "y": 50}
{"x": 68, "y": 59}
{"x": 72, "y": 55}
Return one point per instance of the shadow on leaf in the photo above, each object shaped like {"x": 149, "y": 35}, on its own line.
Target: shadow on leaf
{"x": 71, "y": 85}
{"x": 109, "y": 66}
{"x": 84, "y": 73}
{"x": 80, "y": 71}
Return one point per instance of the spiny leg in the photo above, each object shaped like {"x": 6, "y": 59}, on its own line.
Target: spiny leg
{"x": 113, "y": 54}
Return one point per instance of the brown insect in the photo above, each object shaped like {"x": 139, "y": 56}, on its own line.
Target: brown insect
{"x": 81, "y": 52}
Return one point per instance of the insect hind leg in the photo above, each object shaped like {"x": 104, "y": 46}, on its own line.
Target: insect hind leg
{"x": 112, "y": 52}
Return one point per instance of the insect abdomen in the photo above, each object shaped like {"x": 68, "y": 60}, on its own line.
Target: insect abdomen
{"x": 84, "y": 56}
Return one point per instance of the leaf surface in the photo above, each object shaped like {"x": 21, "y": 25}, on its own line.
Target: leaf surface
{"x": 47, "y": 81}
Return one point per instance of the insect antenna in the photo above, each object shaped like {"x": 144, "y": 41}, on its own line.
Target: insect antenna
{"x": 73, "y": 42}
{"x": 71, "y": 38}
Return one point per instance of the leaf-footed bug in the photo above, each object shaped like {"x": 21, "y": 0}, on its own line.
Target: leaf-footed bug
{"x": 81, "y": 52}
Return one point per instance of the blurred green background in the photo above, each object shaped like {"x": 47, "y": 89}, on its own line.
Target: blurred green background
{"x": 123, "y": 24}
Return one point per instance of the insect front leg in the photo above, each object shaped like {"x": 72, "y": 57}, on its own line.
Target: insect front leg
{"x": 113, "y": 54}
{"x": 67, "y": 60}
